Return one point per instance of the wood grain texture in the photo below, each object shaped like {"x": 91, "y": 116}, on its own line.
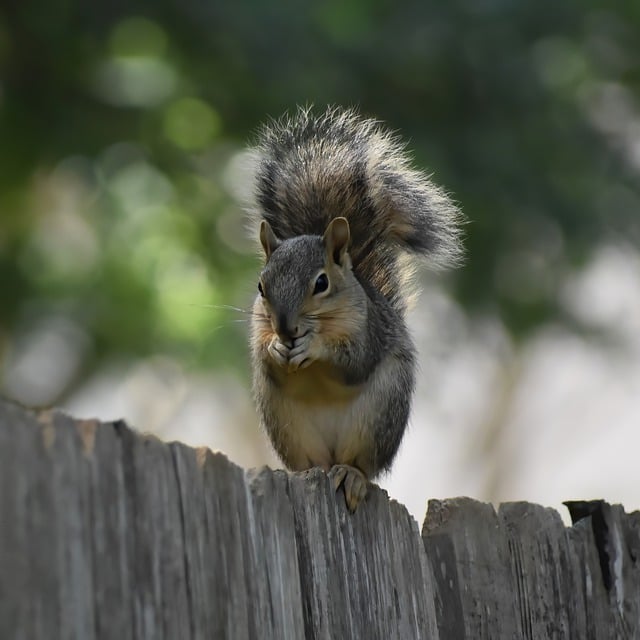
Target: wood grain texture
{"x": 106, "y": 533}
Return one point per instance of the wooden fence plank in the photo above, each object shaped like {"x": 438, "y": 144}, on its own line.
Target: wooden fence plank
{"x": 108, "y": 534}
{"x": 468, "y": 551}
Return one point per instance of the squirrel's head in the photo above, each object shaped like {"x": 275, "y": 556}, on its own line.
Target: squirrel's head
{"x": 305, "y": 279}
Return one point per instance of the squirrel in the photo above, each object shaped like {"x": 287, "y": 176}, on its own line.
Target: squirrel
{"x": 344, "y": 219}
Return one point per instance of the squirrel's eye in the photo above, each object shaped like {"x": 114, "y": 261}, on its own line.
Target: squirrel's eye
{"x": 261, "y": 291}
{"x": 322, "y": 283}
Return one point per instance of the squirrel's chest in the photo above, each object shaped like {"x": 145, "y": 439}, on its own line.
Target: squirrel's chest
{"x": 316, "y": 385}
{"x": 320, "y": 421}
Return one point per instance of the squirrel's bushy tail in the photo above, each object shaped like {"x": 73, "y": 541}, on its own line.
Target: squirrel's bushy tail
{"x": 311, "y": 168}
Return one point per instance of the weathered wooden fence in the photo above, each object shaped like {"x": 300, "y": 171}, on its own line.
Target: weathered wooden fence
{"x": 106, "y": 533}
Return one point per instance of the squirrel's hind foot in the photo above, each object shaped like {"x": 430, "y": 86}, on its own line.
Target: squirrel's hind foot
{"x": 354, "y": 481}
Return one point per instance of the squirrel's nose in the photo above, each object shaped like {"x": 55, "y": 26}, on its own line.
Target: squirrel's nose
{"x": 286, "y": 327}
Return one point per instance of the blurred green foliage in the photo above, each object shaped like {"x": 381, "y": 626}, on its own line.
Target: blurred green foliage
{"x": 120, "y": 130}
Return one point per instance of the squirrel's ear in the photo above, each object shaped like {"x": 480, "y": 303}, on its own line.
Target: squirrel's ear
{"x": 336, "y": 239}
{"x": 268, "y": 239}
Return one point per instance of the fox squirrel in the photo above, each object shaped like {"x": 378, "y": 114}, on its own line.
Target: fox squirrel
{"x": 343, "y": 218}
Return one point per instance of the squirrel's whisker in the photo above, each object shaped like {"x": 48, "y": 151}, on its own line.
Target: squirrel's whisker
{"x": 224, "y": 307}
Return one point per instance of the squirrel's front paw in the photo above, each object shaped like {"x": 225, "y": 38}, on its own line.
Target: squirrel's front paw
{"x": 279, "y": 351}
{"x": 301, "y": 355}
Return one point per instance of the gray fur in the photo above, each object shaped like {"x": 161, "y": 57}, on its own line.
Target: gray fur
{"x": 334, "y": 373}
{"x": 311, "y": 168}
{"x": 287, "y": 287}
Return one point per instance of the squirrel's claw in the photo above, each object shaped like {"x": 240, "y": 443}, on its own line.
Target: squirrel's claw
{"x": 354, "y": 481}
{"x": 279, "y": 351}
{"x": 299, "y": 356}
{"x": 292, "y": 358}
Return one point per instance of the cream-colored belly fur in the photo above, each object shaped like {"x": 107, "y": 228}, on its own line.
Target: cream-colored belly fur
{"x": 323, "y": 422}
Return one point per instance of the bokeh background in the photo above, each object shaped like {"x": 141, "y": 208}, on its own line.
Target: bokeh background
{"x": 123, "y": 249}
